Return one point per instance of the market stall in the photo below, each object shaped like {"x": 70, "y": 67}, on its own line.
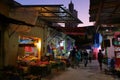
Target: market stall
{"x": 29, "y": 48}
{"x": 116, "y": 43}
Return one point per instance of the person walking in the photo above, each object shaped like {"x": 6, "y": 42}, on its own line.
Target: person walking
{"x": 85, "y": 54}
{"x": 100, "y": 58}
{"x": 112, "y": 65}
{"x": 72, "y": 57}
{"x": 82, "y": 56}
{"x": 90, "y": 56}
{"x": 78, "y": 57}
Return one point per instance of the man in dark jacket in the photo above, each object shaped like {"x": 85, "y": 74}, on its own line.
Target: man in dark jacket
{"x": 85, "y": 54}
{"x": 72, "y": 57}
{"x": 100, "y": 59}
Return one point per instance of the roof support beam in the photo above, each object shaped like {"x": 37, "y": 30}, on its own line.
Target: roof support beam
{"x": 98, "y": 15}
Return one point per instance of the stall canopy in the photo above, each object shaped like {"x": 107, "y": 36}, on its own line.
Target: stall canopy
{"x": 105, "y": 12}
{"x": 56, "y": 14}
{"x": 76, "y": 31}
{"x": 53, "y": 13}
{"x": 82, "y": 35}
{"x": 5, "y": 19}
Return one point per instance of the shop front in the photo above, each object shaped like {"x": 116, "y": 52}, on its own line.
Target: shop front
{"x": 116, "y": 43}
{"x": 59, "y": 45}
{"x": 4, "y": 9}
{"x": 26, "y": 46}
{"x": 29, "y": 48}
{"x": 56, "y": 44}
{"x": 8, "y": 47}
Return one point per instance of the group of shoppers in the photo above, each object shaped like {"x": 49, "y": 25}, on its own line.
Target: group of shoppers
{"x": 83, "y": 56}
{"x": 77, "y": 56}
{"x": 73, "y": 57}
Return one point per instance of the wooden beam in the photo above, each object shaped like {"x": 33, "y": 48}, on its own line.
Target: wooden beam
{"x": 98, "y": 15}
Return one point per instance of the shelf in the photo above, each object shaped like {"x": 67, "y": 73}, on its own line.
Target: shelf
{"x": 116, "y": 45}
{"x": 116, "y": 51}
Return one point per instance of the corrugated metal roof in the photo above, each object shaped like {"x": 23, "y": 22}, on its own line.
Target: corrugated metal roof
{"x": 53, "y": 13}
{"x": 105, "y": 11}
{"x": 105, "y": 14}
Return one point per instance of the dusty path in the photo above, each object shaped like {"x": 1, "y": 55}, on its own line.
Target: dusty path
{"x": 91, "y": 72}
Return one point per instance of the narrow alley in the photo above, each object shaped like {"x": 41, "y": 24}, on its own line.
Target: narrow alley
{"x": 91, "y": 72}
{"x": 40, "y": 39}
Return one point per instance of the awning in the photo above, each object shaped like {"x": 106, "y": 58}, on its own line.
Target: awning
{"x": 76, "y": 31}
{"x": 56, "y": 14}
{"x": 5, "y": 19}
{"x": 106, "y": 15}
{"x": 105, "y": 12}
{"x": 52, "y": 13}
{"x": 80, "y": 34}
